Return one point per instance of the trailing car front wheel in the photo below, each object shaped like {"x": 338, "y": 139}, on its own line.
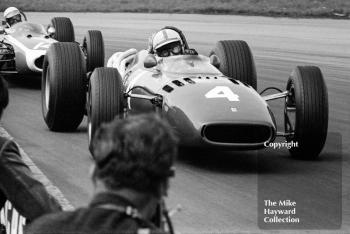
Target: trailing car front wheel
{"x": 64, "y": 30}
{"x": 63, "y": 87}
{"x": 94, "y": 50}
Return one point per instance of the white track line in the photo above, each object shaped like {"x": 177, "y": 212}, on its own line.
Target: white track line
{"x": 39, "y": 175}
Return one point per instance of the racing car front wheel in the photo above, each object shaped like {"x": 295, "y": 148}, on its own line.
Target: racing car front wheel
{"x": 63, "y": 87}
{"x": 64, "y": 31}
{"x": 306, "y": 112}
{"x": 94, "y": 50}
{"x": 236, "y": 61}
{"x": 105, "y": 99}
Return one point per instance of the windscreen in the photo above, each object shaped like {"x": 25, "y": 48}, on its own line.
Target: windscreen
{"x": 26, "y": 28}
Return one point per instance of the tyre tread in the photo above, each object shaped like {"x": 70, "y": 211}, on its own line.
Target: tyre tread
{"x": 107, "y": 94}
{"x": 64, "y": 29}
{"x": 312, "y": 111}
{"x": 236, "y": 61}
{"x": 94, "y": 49}
{"x": 67, "y": 73}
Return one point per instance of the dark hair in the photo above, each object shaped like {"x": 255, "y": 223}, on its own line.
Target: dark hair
{"x": 4, "y": 95}
{"x": 137, "y": 152}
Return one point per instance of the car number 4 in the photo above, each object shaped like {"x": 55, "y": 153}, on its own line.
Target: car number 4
{"x": 222, "y": 92}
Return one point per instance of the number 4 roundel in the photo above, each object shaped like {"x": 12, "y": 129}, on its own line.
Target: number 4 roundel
{"x": 222, "y": 92}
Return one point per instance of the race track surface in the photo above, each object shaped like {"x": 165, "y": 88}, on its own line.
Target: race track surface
{"x": 219, "y": 191}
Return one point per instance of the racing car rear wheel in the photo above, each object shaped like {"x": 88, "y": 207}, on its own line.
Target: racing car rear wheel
{"x": 105, "y": 99}
{"x": 64, "y": 31}
{"x": 306, "y": 112}
{"x": 63, "y": 86}
{"x": 236, "y": 61}
{"x": 94, "y": 49}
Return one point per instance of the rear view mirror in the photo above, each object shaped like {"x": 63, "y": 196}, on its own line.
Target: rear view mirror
{"x": 215, "y": 61}
{"x": 3, "y": 23}
{"x": 150, "y": 61}
{"x": 51, "y": 30}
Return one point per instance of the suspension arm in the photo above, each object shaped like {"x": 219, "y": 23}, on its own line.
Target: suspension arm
{"x": 276, "y": 96}
{"x": 155, "y": 99}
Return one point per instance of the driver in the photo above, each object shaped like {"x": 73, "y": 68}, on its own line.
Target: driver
{"x": 12, "y": 16}
{"x": 165, "y": 43}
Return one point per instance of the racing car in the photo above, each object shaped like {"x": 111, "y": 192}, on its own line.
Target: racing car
{"x": 210, "y": 101}
{"x": 24, "y": 45}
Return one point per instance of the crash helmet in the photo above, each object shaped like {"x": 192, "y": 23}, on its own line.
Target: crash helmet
{"x": 166, "y": 42}
{"x": 12, "y": 15}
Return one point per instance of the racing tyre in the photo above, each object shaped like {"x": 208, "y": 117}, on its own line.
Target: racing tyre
{"x": 64, "y": 31}
{"x": 306, "y": 112}
{"x": 105, "y": 99}
{"x": 63, "y": 86}
{"x": 95, "y": 50}
{"x": 236, "y": 61}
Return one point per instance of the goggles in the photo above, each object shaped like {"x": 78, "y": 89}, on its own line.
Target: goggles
{"x": 165, "y": 52}
{"x": 14, "y": 19}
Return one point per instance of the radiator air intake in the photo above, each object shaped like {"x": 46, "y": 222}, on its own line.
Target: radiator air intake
{"x": 39, "y": 62}
{"x": 237, "y": 133}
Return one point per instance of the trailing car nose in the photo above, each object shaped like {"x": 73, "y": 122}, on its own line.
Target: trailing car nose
{"x": 35, "y": 59}
{"x": 218, "y": 111}
{"x": 30, "y": 51}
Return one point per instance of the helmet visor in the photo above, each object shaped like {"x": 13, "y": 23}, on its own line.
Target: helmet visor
{"x": 14, "y": 19}
{"x": 174, "y": 48}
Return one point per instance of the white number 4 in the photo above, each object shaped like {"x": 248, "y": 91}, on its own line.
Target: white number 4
{"x": 222, "y": 92}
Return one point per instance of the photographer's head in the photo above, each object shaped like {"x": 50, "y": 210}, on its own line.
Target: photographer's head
{"x": 135, "y": 153}
{"x": 4, "y": 95}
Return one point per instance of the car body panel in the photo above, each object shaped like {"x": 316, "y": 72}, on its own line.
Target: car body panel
{"x": 30, "y": 42}
{"x": 197, "y": 95}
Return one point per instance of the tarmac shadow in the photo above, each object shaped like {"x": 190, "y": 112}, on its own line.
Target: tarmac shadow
{"x": 281, "y": 162}
{"x": 24, "y": 81}
{"x": 264, "y": 161}
{"x": 222, "y": 161}
{"x": 315, "y": 186}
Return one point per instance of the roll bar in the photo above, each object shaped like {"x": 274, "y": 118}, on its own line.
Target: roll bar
{"x": 180, "y": 33}
{"x": 24, "y": 15}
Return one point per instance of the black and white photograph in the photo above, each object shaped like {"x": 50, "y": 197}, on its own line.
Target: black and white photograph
{"x": 174, "y": 116}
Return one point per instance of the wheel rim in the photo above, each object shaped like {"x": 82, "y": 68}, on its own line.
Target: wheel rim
{"x": 84, "y": 47}
{"x": 89, "y": 109}
{"x": 290, "y": 111}
{"x": 47, "y": 89}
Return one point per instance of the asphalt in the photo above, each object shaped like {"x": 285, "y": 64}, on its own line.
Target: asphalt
{"x": 220, "y": 192}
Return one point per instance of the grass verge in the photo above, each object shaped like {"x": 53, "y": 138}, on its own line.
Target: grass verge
{"x": 287, "y": 8}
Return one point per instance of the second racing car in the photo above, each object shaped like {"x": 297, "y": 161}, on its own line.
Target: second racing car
{"x": 210, "y": 101}
{"x": 23, "y": 44}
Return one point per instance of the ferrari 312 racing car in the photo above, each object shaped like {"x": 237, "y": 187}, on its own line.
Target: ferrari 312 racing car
{"x": 24, "y": 45}
{"x": 211, "y": 101}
